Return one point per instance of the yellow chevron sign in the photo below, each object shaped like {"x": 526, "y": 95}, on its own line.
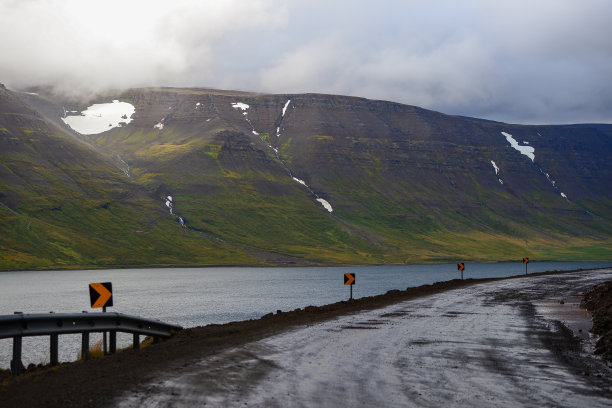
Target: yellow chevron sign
{"x": 349, "y": 278}
{"x": 525, "y": 260}
{"x": 460, "y": 266}
{"x": 101, "y": 294}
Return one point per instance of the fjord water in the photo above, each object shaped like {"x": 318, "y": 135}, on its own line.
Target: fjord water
{"x": 198, "y": 296}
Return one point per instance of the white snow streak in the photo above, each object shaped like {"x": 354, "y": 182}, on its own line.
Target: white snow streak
{"x": 159, "y": 125}
{"x": 282, "y": 116}
{"x": 325, "y": 204}
{"x": 495, "y": 167}
{"x": 240, "y": 105}
{"x": 101, "y": 117}
{"x": 169, "y": 203}
{"x": 299, "y": 181}
{"x": 564, "y": 196}
{"x": 285, "y": 107}
{"x": 526, "y": 150}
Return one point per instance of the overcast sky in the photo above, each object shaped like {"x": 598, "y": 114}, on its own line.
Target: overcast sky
{"x": 534, "y": 61}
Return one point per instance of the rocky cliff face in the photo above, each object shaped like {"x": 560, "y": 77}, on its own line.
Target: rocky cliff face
{"x": 324, "y": 178}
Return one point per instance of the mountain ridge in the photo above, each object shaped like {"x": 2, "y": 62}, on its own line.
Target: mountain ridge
{"x": 405, "y": 184}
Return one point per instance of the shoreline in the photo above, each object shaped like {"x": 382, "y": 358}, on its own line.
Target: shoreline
{"x": 78, "y": 383}
{"x": 287, "y": 265}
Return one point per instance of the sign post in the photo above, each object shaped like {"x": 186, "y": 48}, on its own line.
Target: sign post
{"x": 461, "y": 267}
{"x": 525, "y": 261}
{"x": 101, "y": 295}
{"x": 349, "y": 279}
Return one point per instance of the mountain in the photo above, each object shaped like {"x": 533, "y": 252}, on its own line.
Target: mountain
{"x": 202, "y": 176}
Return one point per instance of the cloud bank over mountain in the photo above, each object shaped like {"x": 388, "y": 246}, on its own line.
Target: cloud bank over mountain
{"x": 517, "y": 61}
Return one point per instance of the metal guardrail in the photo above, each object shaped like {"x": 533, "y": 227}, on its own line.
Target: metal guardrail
{"x": 21, "y": 325}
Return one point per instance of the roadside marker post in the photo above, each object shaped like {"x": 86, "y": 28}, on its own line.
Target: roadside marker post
{"x": 349, "y": 279}
{"x": 525, "y": 261}
{"x": 461, "y": 267}
{"x": 101, "y": 295}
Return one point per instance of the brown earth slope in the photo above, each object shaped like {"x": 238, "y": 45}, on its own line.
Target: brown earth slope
{"x": 599, "y": 302}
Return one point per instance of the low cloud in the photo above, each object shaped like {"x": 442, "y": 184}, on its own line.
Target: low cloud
{"x": 518, "y": 61}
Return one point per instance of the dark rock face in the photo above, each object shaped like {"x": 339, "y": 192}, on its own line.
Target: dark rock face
{"x": 599, "y": 302}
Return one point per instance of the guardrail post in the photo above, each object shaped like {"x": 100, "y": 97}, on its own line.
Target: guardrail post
{"x": 112, "y": 339}
{"x": 136, "y": 341}
{"x": 53, "y": 360}
{"x": 16, "y": 361}
{"x": 85, "y": 346}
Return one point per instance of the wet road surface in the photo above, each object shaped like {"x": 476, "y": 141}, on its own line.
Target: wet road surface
{"x": 496, "y": 344}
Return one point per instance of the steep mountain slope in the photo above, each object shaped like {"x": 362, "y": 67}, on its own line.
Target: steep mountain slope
{"x": 63, "y": 204}
{"x": 322, "y": 179}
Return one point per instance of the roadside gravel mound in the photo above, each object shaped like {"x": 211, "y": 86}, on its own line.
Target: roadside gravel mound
{"x": 599, "y": 302}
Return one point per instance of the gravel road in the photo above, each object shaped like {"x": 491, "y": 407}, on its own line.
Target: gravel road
{"x": 494, "y": 344}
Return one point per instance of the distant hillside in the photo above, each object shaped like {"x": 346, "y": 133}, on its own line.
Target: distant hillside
{"x": 294, "y": 179}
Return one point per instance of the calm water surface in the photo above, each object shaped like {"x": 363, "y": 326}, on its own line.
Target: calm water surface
{"x": 199, "y": 296}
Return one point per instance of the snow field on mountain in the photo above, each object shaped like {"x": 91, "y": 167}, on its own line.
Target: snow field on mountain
{"x": 101, "y": 117}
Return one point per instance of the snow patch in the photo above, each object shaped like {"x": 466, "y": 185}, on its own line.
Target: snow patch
{"x": 300, "y": 181}
{"x": 198, "y": 104}
{"x": 169, "y": 203}
{"x": 495, "y": 167}
{"x": 525, "y": 150}
{"x": 240, "y": 105}
{"x": 159, "y": 125}
{"x": 285, "y": 107}
{"x": 101, "y": 117}
{"x": 564, "y": 196}
{"x": 500, "y": 181}
{"x": 525, "y": 143}
{"x": 325, "y": 204}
